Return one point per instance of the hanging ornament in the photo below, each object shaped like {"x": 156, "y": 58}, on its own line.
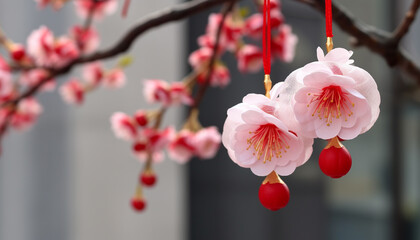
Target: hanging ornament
{"x": 137, "y": 201}
{"x": 274, "y": 193}
{"x": 262, "y": 134}
{"x": 332, "y": 100}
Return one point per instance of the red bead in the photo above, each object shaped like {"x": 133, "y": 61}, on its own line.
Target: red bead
{"x": 141, "y": 119}
{"x": 138, "y": 204}
{"x": 17, "y": 53}
{"x": 335, "y": 162}
{"x": 274, "y": 196}
{"x": 148, "y": 179}
{"x": 138, "y": 147}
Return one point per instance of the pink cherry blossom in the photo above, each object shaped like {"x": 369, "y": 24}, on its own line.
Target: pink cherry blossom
{"x": 254, "y": 24}
{"x": 114, "y": 78}
{"x": 4, "y": 66}
{"x": 200, "y": 57}
{"x": 47, "y": 51}
{"x": 283, "y": 44}
{"x": 56, "y": 4}
{"x": 259, "y": 137}
{"x": 157, "y": 91}
{"x": 86, "y": 39}
{"x": 6, "y": 85}
{"x": 182, "y": 148}
{"x": 72, "y": 92}
{"x": 220, "y": 76}
{"x": 33, "y": 77}
{"x": 332, "y": 98}
{"x": 250, "y": 58}
{"x": 207, "y": 142}
{"x": 153, "y": 142}
{"x": 93, "y": 73}
{"x": 124, "y": 126}
{"x": 100, "y": 8}
{"x": 65, "y": 50}
{"x": 180, "y": 94}
{"x": 41, "y": 46}
{"x": 26, "y": 114}
{"x": 231, "y": 31}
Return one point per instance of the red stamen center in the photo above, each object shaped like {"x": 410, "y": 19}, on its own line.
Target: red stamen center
{"x": 331, "y": 103}
{"x": 268, "y": 141}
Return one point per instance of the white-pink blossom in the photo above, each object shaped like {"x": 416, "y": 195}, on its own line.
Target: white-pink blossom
{"x": 86, "y": 39}
{"x": 180, "y": 94}
{"x": 154, "y": 141}
{"x": 283, "y": 44}
{"x": 262, "y": 134}
{"x": 41, "y": 46}
{"x": 93, "y": 73}
{"x": 48, "y": 51}
{"x": 332, "y": 98}
{"x": 33, "y": 77}
{"x": 200, "y": 57}
{"x": 99, "y": 8}
{"x": 207, "y": 142}
{"x": 72, "y": 92}
{"x": 231, "y": 31}
{"x": 6, "y": 85}
{"x": 4, "y": 66}
{"x": 220, "y": 76}
{"x": 254, "y": 24}
{"x": 157, "y": 91}
{"x": 182, "y": 147}
{"x": 65, "y": 50}
{"x": 250, "y": 58}
{"x": 115, "y": 78}
{"x": 124, "y": 126}
{"x": 26, "y": 114}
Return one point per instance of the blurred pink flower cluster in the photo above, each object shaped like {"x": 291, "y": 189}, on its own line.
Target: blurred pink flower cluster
{"x": 150, "y": 142}
{"x": 236, "y": 33}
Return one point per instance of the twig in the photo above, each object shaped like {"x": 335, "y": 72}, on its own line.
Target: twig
{"x": 206, "y": 84}
{"x": 377, "y": 41}
{"x": 405, "y": 25}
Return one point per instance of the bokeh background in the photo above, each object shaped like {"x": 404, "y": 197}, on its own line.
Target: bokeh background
{"x": 69, "y": 178}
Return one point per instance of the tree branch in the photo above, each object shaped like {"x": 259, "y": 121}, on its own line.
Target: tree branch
{"x": 405, "y": 25}
{"x": 377, "y": 41}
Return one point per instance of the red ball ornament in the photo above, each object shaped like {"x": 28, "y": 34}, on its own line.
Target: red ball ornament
{"x": 148, "y": 178}
{"x": 335, "y": 160}
{"x": 138, "y": 204}
{"x": 274, "y": 193}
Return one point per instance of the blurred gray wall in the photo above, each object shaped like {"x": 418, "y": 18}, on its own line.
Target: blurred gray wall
{"x": 69, "y": 177}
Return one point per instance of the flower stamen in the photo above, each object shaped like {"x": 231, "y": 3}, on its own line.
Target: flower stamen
{"x": 268, "y": 140}
{"x": 331, "y": 103}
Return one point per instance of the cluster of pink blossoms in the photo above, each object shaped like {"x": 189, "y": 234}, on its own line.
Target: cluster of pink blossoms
{"x": 100, "y": 8}
{"x": 43, "y": 51}
{"x": 325, "y": 99}
{"x": 94, "y": 75}
{"x": 150, "y": 142}
{"x": 27, "y": 110}
{"x": 233, "y": 36}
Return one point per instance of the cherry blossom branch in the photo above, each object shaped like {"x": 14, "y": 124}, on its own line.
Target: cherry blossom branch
{"x": 381, "y": 42}
{"x": 206, "y": 84}
{"x": 154, "y": 20}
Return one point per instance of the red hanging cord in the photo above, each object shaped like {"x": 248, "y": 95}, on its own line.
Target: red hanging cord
{"x": 266, "y": 37}
{"x": 328, "y": 18}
